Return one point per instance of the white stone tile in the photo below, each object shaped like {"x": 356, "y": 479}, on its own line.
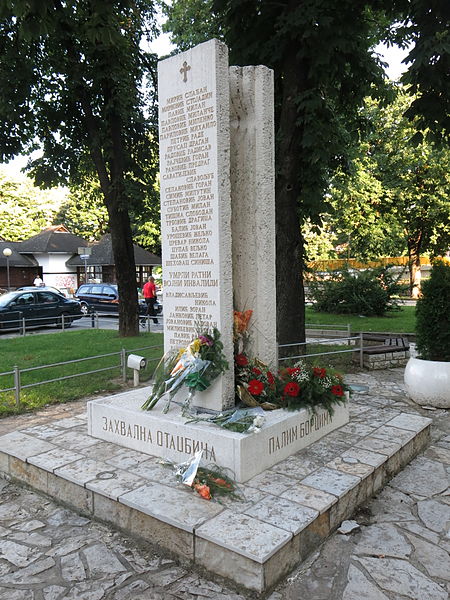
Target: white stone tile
{"x": 356, "y": 583}
{"x": 389, "y": 448}
{"x": 393, "y": 434}
{"x": 434, "y": 515}
{"x": 115, "y": 486}
{"x": 383, "y": 539}
{"x": 409, "y": 421}
{"x": 54, "y": 459}
{"x": 271, "y": 482}
{"x": 74, "y": 440}
{"x": 355, "y": 428}
{"x": 180, "y": 507}
{"x": 400, "y": 577}
{"x": 126, "y": 459}
{"x": 365, "y": 456}
{"x": 69, "y": 422}
{"x": 23, "y": 446}
{"x": 101, "y": 450}
{"x": 154, "y": 469}
{"x": 283, "y": 513}
{"x": 311, "y": 497}
{"x": 331, "y": 481}
{"x": 351, "y": 466}
{"x": 423, "y": 477}
{"x": 435, "y": 560}
{"x": 245, "y": 535}
{"x": 42, "y": 432}
{"x": 84, "y": 470}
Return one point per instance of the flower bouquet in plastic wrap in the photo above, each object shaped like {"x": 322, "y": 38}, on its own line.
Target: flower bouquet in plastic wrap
{"x": 194, "y": 367}
{"x": 209, "y": 482}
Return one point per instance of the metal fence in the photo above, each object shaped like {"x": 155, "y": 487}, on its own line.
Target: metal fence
{"x": 64, "y": 322}
{"x": 357, "y": 343}
{"x": 17, "y": 372}
{"x": 96, "y": 320}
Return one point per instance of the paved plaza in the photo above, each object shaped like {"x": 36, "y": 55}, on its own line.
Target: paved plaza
{"x": 398, "y": 550}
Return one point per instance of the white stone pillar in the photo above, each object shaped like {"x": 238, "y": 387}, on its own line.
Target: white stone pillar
{"x": 195, "y": 204}
{"x": 253, "y": 204}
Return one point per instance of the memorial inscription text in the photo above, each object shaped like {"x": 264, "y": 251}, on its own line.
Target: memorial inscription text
{"x": 188, "y": 183}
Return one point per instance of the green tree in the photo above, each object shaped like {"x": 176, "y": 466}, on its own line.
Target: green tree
{"x": 24, "y": 208}
{"x": 323, "y": 66}
{"x": 84, "y": 213}
{"x": 191, "y": 22}
{"x": 72, "y": 73}
{"x": 427, "y": 27}
{"x": 395, "y": 194}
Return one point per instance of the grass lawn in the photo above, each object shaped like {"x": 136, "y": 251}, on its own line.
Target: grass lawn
{"x": 402, "y": 321}
{"x": 38, "y": 350}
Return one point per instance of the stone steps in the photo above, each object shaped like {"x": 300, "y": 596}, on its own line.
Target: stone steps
{"x": 285, "y": 512}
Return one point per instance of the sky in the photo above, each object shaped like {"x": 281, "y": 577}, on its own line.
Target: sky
{"x": 162, "y": 46}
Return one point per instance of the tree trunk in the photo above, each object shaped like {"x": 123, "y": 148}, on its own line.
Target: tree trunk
{"x": 120, "y": 226}
{"x": 415, "y": 275}
{"x": 122, "y": 245}
{"x": 289, "y": 243}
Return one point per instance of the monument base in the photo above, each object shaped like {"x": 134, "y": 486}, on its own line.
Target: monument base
{"x": 120, "y": 419}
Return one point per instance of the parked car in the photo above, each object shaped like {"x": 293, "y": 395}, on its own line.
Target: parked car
{"x": 104, "y": 297}
{"x": 49, "y": 288}
{"x": 38, "y": 306}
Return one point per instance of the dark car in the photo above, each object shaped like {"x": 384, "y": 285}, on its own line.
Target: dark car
{"x": 37, "y": 306}
{"x": 48, "y": 288}
{"x": 104, "y": 297}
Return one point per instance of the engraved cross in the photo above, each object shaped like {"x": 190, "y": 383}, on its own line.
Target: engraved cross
{"x": 184, "y": 69}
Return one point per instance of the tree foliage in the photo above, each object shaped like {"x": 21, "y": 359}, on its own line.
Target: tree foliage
{"x": 24, "y": 208}
{"x": 394, "y": 196}
{"x": 73, "y": 74}
{"x": 427, "y": 27}
{"x": 191, "y": 22}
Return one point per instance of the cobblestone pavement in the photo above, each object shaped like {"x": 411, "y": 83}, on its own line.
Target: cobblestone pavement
{"x": 399, "y": 551}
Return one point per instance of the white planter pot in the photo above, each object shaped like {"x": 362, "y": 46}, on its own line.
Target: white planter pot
{"x": 428, "y": 382}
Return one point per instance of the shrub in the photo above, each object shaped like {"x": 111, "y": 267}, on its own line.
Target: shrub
{"x": 433, "y": 315}
{"x": 369, "y": 292}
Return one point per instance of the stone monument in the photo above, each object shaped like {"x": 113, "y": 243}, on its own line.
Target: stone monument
{"x": 218, "y": 232}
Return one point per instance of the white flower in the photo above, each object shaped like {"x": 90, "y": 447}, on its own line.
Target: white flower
{"x": 258, "y": 421}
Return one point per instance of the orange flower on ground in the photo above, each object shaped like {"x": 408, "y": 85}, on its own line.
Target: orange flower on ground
{"x": 220, "y": 481}
{"x": 203, "y": 490}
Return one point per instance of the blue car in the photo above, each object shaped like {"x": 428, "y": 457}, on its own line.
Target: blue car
{"x": 104, "y": 297}
{"x": 38, "y": 307}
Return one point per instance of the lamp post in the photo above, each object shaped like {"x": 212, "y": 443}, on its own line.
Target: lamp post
{"x": 84, "y": 254}
{"x": 7, "y": 253}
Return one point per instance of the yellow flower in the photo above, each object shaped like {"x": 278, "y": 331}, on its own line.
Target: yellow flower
{"x": 195, "y": 346}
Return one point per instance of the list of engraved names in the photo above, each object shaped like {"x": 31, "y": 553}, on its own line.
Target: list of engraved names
{"x": 189, "y": 219}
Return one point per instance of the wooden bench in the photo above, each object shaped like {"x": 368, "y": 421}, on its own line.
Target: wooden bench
{"x": 381, "y": 351}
